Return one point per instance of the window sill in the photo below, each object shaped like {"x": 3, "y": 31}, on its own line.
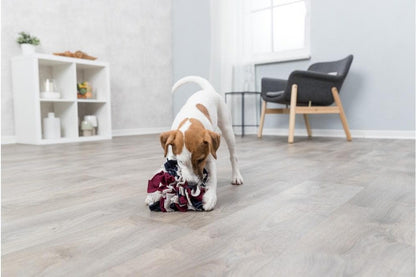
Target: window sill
{"x": 297, "y": 55}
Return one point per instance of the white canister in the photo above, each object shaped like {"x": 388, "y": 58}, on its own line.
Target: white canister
{"x": 51, "y": 127}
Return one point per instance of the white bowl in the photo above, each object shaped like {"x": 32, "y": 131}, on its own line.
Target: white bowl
{"x": 50, "y": 95}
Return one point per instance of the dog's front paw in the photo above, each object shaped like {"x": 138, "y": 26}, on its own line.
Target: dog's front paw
{"x": 237, "y": 179}
{"x": 209, "y": 200}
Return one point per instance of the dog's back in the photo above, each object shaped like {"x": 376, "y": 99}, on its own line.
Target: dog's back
{"x": 203, "y": 104}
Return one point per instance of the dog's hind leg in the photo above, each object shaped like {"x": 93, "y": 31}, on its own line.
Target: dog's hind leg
{"x": 224, "y": 123}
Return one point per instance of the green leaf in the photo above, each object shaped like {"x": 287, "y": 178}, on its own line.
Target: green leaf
{"x": 27, "y": 38}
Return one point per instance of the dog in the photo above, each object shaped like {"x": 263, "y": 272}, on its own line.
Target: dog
{"x": 193, "y": 139}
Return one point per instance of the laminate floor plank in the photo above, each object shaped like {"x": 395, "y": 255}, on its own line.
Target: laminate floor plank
{"x": 318, "y": 207}
{"x": 274, "y": 225}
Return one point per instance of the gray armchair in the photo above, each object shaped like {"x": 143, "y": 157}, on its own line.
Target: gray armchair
{"x": 307, "y": 92}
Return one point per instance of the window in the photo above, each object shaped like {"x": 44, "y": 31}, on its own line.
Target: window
{"x": 277, "y": 30}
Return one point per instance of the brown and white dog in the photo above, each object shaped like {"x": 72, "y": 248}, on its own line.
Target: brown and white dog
{"x": 193, "y": 140}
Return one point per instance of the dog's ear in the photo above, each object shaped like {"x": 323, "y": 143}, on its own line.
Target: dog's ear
{"x": 214, "y": 141}
{"x": 174, "y": 138}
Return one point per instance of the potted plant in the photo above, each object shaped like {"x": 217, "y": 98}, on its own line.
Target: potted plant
{"x": 27, "y": 43}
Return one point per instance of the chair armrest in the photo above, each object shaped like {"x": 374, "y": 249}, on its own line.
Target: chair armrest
{"x": 273, "y": 84}
{"x": 314, "y": 75}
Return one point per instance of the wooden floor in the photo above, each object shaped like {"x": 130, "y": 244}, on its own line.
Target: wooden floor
{"x": 320, "y": 207}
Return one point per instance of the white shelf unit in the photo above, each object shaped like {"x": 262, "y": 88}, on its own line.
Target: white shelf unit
{"x": 28, "y": 73}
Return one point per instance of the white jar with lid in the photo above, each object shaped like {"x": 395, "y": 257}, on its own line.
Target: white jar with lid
{"x": 51, "y": 127}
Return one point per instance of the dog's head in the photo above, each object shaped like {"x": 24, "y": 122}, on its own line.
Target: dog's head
{"x": 192, "y": 146}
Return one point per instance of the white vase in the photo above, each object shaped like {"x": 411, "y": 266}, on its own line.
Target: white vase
{"x": 27, "y": 49}
{"x": 51, "y": 127}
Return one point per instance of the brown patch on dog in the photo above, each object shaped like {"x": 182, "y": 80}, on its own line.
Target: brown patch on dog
{"x": 204, "y": 111}
{"x": 215, "y": 142}
{"x": 200, "y": 142}
{"x": 173, "y": 138}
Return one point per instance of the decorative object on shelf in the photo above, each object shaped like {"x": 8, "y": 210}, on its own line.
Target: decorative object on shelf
{"x": 92, "y": 119}
{"x": 51, "y": 127}
{"x": 86, "y": 128}
{"x": 78, "y": 54}
{"x": 50, "y": 90}
{"x": 27, "y": 43}
{"x": 84, "y": 90}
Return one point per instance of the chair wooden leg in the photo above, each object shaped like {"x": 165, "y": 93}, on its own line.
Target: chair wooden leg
{"x": 292, "y": 117}
{"x": 308, "y": 127}
{"x": 263, "y": 114}
{"x": 341, "y": 113}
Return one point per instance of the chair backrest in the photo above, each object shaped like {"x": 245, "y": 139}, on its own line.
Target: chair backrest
{"x": 340, "y": 67}
{"x": 319, "y": 91}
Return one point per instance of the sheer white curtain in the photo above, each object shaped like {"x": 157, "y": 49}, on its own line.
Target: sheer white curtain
{"x": 230, "y": 69}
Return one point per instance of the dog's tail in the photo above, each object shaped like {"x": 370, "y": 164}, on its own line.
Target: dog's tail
{"x": 203, "y": 83}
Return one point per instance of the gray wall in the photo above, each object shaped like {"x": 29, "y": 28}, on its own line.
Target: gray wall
{"x": 134, "y": 36}
{"x": 191, "y": 45}
{"x": 379, "y": 93}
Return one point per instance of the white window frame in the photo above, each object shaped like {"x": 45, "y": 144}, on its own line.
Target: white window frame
{"x": 280, "y": 56}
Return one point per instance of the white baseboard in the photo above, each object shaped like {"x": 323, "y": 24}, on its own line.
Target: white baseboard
{"x": 115, "y": 133}
{"x": 8, "y": 140}
{"x": 139, "y": 131}
{"x": 370, "y": 134}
